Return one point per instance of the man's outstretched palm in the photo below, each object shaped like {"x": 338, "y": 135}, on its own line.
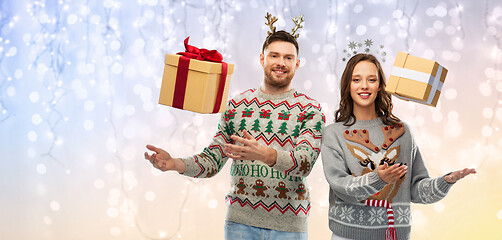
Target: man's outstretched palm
{"x": 161, "y": 159}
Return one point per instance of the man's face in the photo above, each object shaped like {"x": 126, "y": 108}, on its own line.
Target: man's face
{"x": 279, "y": 61}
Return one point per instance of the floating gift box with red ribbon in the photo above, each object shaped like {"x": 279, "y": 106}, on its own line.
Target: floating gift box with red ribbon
{"x": 196, "y": 80}
{"x": 416, "y": 79}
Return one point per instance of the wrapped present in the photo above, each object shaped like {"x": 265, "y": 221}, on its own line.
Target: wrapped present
{"x": 196, "y": 80}
{"x": 416, "y": 79}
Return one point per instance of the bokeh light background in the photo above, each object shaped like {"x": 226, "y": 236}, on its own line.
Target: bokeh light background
{"x": 79, "y": 85}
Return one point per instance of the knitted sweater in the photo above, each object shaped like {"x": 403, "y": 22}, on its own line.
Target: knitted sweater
{"x": 350, "y": 156}
{"x": 274, "y": 197}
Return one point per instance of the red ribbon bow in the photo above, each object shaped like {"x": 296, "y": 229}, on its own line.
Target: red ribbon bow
{"x": 201, "y": 54}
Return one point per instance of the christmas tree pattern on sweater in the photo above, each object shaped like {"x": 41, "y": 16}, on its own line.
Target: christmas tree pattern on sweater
{"x": 291, "y": 124}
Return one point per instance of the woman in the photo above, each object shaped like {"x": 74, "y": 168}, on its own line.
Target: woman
{"x": 371, "y": 161}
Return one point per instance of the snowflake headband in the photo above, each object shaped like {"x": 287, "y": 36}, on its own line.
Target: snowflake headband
{"x": 354, "y": 48}
{"x": 297, "y": 20}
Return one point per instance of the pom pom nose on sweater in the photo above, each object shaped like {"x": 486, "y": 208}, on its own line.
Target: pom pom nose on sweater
{"x": 274, "y": 197}
{"x": 363, "y": 206}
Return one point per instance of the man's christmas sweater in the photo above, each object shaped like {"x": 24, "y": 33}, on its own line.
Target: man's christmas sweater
{"x": 361, "y": 205}
{"x": 274, "y": 197}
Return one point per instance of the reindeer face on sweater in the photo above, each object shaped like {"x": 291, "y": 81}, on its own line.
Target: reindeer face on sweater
{"x": 371, "y": 157}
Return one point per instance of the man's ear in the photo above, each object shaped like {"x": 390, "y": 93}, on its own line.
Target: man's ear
{"x": 262, "y": 60}
{"x": 297, "y": 63}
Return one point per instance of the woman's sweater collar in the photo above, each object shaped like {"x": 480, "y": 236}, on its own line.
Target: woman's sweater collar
{"x": 368, "y": 123}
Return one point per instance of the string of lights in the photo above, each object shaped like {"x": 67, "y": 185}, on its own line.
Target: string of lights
{"x": 492, "y": 23}
{"x": 48, "y": 46}
{"x": 6, "y": 23}
{"x": 459, "y": 10}
{"x": 331, "y": 45}
{"x": 112, "y": 37}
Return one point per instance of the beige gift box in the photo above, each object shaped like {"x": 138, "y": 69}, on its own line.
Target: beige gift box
{"x": 416, "y": 79}
{"x": 202, "y": 83}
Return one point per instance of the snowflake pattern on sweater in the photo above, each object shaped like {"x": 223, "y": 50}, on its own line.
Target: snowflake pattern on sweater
{"x": 260, "y": 195}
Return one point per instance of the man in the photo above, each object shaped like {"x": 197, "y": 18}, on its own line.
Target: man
{"x": 273, "y": 135}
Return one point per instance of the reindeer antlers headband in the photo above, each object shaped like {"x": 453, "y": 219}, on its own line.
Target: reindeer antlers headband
{"x": 297, "y": 20}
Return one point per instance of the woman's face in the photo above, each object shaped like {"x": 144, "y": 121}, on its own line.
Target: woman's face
{"x": 364, "y": 86}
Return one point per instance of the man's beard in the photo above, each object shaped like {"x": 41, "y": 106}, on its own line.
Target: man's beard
{"x": 277, "y": 83}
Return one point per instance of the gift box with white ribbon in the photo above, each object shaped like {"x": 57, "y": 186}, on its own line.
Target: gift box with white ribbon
{"x": 416, "y": 79}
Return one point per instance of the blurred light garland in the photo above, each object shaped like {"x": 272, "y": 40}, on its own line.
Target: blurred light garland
{"x": 497, "y": 38}
{"x": 6, "y": 22}
{"x": 460, "y": 9}
{"x": 110, "y": 33}
{"x": 330, "y": 41}
{"x": 405, "y": 22}
{"x": 47, "y": 46}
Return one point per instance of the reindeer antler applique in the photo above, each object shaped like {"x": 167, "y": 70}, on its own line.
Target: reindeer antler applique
{"x": 391, "y": 133}
{"x": 271, "y": 20}
{"x": 298, "y": 24}
{"x": 362, "y": 137}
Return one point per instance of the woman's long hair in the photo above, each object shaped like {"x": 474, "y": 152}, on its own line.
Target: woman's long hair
{"x": 383, "y": 101}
